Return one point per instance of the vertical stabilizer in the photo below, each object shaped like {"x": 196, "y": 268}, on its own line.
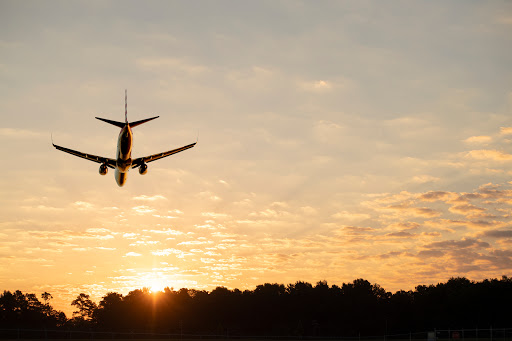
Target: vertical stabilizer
{"x": 125, "y": 106}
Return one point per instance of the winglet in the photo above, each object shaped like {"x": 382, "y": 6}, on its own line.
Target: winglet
{"x": 51, "y": 136}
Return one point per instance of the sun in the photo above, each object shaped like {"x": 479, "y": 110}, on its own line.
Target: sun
{"x": 156, "y": 284}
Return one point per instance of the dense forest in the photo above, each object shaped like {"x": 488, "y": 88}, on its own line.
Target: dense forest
{"x": 300, "y": 309}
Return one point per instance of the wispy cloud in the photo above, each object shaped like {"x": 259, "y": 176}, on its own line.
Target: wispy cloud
{"x": 166, "y": 231}
{"x": 485, "y": 154}
{"x": 132, "y": 254}
{"x": 174, "y": 65}
{"x": 14, "y": 133}
{"x": 317, "y": 86}
{"x": 149, "y": 198}
{"x": 478, "y": 139}
{"x": 350, "y": 216}
{"x": 506, "y": 130}
{"x": 143, "y": 209}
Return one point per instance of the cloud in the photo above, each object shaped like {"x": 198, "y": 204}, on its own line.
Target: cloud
{"x": 454, "y": 245}
{"x": 268, "y": 213}
{"x": 97, "y": 230}
{"x": 215, "y": 215}
{"x": 130, "y": 235}
{"x": 351, "y": 216}
{"x": 498, "y": 234}
{"x": 209, "y": 195}
{"x": 13, "y": 133}
{"x": 505, "y": 130}
{"x": 224, "y": 235}
{"x": 398, "y": 197}
{"x": 164, "y": 216}
{"x": 145, "y": 242}
{"x": 149, "y": 198}
{"x": 209, "y": 225}
{"x": 327, "y": 132}
{"x": 89, "y": 234}
{"x": 491, "y": 191}
{"x": 308, "y": 210}
{"x": 196, "y": 242}
{"x": 391, "y": 254}
{"x": 143, "y": 209}
{"x": 43, "y": 208}
{"x": 406, "y": 209}
{"x": 166, "y": 252}
{"x": 409, "y": 225}
{"x": 167, "y": 231}
{"x": 486, "y": 154}
{"x": 171, "y": 65}
{"x": 132, "y": 254}
{"x": 316, "y": 86}
{"x": 254, "y": 77}
{"x": 478, "y": 139}
{"x": 423, "y": 179}
{"x": 354, "y": 230}
{"x": 436, "y": 196}
{"x": 466, "y": 209}
{"x": 82, "y": 205}
{"x": 401, "y": 234}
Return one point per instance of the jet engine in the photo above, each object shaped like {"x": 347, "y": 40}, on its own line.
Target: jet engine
{"x": 103, "y": 169}
{"x": 143, "y": 169}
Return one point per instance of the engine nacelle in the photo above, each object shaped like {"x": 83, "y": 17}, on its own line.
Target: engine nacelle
{"x": 143, "y": 169}
{"x": 103, "y": 169}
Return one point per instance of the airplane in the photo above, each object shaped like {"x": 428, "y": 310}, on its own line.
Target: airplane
{"x": 123, "y": 161}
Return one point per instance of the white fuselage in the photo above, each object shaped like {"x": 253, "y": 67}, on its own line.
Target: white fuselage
{"x": 123, "y": 155}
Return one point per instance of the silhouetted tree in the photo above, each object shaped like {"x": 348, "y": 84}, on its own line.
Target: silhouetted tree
{"x": 109, "y": 313}
{"x": 46, "y": 296}
{"x": 25, "y": 310}
{"x": 86, "y": 309}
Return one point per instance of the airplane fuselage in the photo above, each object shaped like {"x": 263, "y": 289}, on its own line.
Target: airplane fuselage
{"x": 123, "y": 154}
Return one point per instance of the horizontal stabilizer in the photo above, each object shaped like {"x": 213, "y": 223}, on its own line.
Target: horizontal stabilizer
{"x": 134, "y": 124}
{"x": 117, "y": 124}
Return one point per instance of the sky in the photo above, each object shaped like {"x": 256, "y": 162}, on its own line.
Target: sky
{"x": 336, "y": 140}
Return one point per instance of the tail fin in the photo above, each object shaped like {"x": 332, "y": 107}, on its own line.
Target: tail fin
{"x": 116, "y": 123}
{"x": 125, "y": 105}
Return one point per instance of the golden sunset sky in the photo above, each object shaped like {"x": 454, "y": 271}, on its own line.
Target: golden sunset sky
{"x": 337, "y": 140}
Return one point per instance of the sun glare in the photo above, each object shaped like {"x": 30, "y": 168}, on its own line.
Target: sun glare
{"x": 156, "y": 285}
{"x": 154, "y": 281}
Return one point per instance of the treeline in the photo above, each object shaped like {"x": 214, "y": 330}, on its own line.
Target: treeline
{"x": 300, "y": 309}
{"x": 26, "y": 310}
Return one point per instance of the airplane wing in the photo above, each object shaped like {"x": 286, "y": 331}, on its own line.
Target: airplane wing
{"x": 139, "y": 161}
{"x": 111, "y": 163}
